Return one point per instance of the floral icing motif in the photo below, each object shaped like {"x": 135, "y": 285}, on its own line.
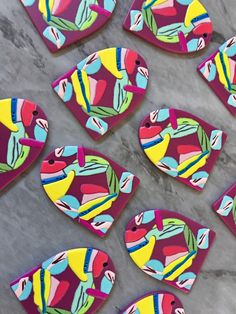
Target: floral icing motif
{"x": 87, "y": 186}
{"x": 74, "y": 281}
{"x": 104, "y": 88}
{"x": 64, "y": 22}
{"x": 175, "y": 25}
{"x": 155, "y": 302}
{"x": 181, "y": 145}
{"x": 168, "y": 246}
{"x": 219, "y": 71}
{"x": 225, "y": 207}
{"x": 23, "y": 133}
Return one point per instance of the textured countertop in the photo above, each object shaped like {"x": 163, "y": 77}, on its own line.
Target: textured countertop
{"x": 32, "y": 229}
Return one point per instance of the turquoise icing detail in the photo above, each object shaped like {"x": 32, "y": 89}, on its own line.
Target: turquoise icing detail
{"x": 133, "y": 16}
{"x": 97, "y": 125}
{"x": 55, "y": 36}
{"x": 40, "y": 134}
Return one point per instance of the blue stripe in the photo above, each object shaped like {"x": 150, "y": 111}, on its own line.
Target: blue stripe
{"x": 137, "y": 247}
{"x": 225, "y": 70}
{"x": 87, "y": 259}
{"x": 200, "y": 17}
{"x": 179, "y": 265}
{"x": 149, "y": 5}
{"x": 97, "y": 205}
{"x": 54, "y": 179}
{"x": 118, "y": 58}
{"x": 48, "y": 11}
{"x": 44, "y": 307}
{"x": 14, "y": 109}
{"x": 156, "y": 303}
{"x": 83, "y": 90}
{"x": 152, "y": 143}
{"x": 193, "y": 163}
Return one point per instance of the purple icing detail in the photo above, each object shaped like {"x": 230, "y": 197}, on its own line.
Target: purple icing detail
{"x": 97, "y": 294}
{"x": 173, "y": 119}
{"x": 159, "y": 221}
{"x": 183, "y": 42}
{"x": 100, "y": 10}
{"x": 81, "y": 156}
{"x": 135, "y": 89}
{"x": 31, "y": 142}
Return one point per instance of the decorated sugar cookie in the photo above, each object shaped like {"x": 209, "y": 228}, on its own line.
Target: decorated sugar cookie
{"x": 74, "y": 281}
{"x": 219, "y": 71}
{"x": 87, "y": 186}
{"x": 225, "y": 207}
{"x": 23, "y": 132}
{"x": 180, "y": 26}
{"x": 168, "y": 246}
{"x": 61, "y": 23}
{"x": 104, "y": 88}
{"x": 155, "y": 302}
{"x": 181, "y": 145}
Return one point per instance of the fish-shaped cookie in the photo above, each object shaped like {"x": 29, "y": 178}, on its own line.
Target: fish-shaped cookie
{"x": 23, "y": 133}
{"x": 168, "y": 246}
{"x": 104, "y": 88}
{"x": 61, "y": 23}
{"x": 179, "y": 26}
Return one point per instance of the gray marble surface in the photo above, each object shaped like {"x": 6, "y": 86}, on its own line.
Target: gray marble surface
{"x": 31, "y": 229}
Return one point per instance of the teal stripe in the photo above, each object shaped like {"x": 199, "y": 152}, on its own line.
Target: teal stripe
{"x": 44, "y": 306}
{"x": 180, "y": 264}
{"x": 87, "y": 259}
{"x": 193, "y": 163}
{"x": 48, "y": 11}
{"x": 97, "y": 205}
{"x": 149, "y": 5}
{"x": 83, "y": 90}
{"x": 225, "y": 70}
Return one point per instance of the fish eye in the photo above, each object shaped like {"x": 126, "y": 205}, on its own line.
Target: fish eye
{"x": 51, "y": 161}
{"x": 105, "y": 265}
{"x": 137, "y": 62}
{"x": 134, "y": 229}
{"x": 205, "y": 35}
{"x": 147, "y": 125}
{"x": 35, "y": 113}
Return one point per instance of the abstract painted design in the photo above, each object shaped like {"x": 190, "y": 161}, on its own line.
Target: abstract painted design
{"x": 77, "y": 281}
{"x": 168, "y": 246}
{"x": 219, "y": 71}
{"x": 64, "y": 22}
{"x": 179, "y": 26}
{"x": 225, "y": 207}
{"x": 181, "y": 145}
{"x": 23, "y": 132}
{"x": 104, "y": 88}
{"x": 87, "y": 186}
{"x": 155, "y": 303}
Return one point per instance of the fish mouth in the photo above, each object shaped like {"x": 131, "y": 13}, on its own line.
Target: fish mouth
{"x": 30, "y": 142}
{"x": 100, "y": 10}
{"x": 135, "y": 89}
